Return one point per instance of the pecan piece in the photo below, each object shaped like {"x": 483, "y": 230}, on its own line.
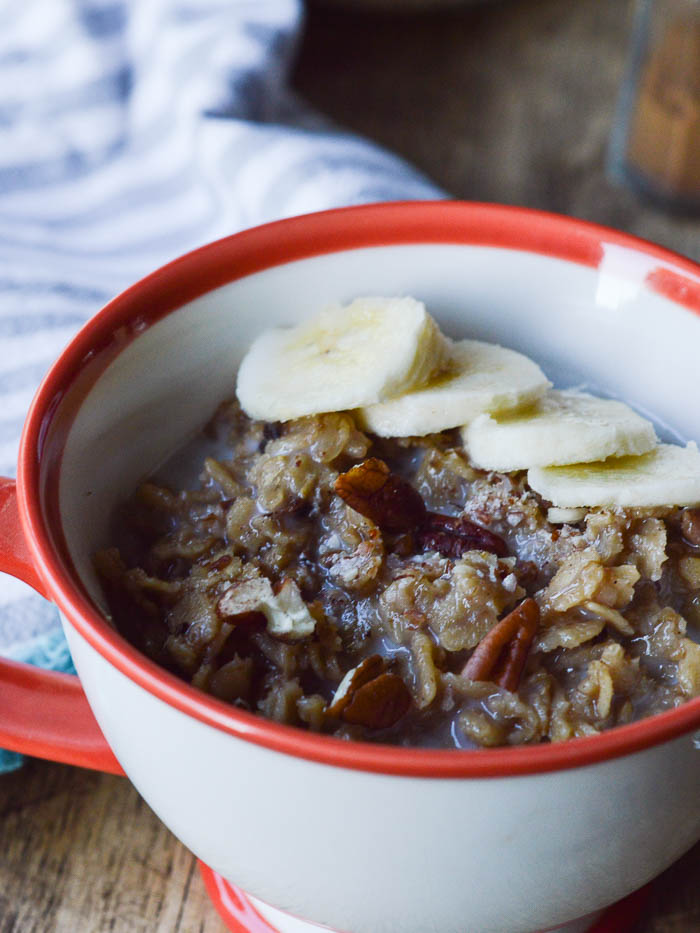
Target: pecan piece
{"x": 380, "y": 495}
{"x": 356, "y": 570}
{"x": 501, "y": 654}
{"x": 394, "y": 505}
{"x": 244, "y": 597}
{"x": 370, "y": 696}
{"x": 367, "y": 670}
{"x": 286, "y": 612}
{"x": 380, "y": 703}
{"x": 453, "y": 536}
{"x": 690, "y": 526}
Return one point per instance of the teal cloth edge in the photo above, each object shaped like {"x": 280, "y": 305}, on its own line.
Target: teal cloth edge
{"x": 50, "y": 651}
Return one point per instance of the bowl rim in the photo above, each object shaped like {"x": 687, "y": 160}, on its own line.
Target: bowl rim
{"x": 238, "y": 256}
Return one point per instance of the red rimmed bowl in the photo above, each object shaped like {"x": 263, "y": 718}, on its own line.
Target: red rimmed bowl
{"x": 360, "y": 837}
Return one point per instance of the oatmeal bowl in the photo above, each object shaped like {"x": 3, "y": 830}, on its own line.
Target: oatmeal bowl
{"x": 376, "y": 541}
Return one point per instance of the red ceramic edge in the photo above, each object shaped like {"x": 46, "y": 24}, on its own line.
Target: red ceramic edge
{"x": 15, "y": 556}
{"x": 46, "y": 714}
{"x": 240, "y": 916}
{"x": 241, "y": 255}
{"x": 232, "y": 905}
{"x": 43, "y": 713}
{"x": 675, "y": 286}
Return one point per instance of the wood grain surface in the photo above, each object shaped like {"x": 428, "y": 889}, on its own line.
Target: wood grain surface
{"x": 511, "y": 102}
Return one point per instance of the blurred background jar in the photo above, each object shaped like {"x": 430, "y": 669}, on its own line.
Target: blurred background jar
{"x": 655, "y": 145}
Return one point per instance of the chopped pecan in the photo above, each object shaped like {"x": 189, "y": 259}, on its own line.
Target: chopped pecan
{"x": 501, "y": 654}
{"x": 690, "y": 526}
{"x": 367, "y": 670}
{"x": 286, "y": 612}
{"x": 359, "y": 568}
{"x": 370, "y": 696}
{"x": 394, "y": 505}
{"x": 453, "y": 536}
{"x": 380, "y": 703}
{"x": 288, "y": 615}
{"x": 380, "y": 495}
{"x": 244, "y": 597}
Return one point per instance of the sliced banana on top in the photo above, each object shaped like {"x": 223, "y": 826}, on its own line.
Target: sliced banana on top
{"x": 562, "y": 427}
{"x": 667, "y": 475}
{"x": 346, "y": 357}
{"x": 480, "y": 377}
{"x": 386, "y": 359}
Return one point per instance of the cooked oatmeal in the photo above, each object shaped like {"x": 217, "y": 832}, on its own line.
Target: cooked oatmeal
{"x": 387, "y": 590}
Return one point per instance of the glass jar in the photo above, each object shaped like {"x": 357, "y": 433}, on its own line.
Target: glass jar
{"x": 655, "y": 145}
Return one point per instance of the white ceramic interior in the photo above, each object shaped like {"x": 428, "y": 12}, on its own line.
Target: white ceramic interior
{"x": 359, "y": 851}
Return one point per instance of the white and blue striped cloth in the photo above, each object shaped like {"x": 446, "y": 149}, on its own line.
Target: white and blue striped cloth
{"x": 131, "y": 132}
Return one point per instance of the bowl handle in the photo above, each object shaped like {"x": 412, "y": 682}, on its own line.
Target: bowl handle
{"x": 42, "y": 713}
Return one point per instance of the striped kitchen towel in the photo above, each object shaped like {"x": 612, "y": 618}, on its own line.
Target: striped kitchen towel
{"x": 131, "y": 132}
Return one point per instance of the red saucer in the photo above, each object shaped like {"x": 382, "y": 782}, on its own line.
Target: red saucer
{"x": 240, "y": 916}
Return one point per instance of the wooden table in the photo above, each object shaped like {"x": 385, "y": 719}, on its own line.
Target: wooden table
{"x": 511, "y": 102}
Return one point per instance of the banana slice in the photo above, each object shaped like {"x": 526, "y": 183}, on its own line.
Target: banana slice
{"x": 667, "y": 475}
{"x": 371, "y": 350}
{"x": 480, "y": 377}
{"x": 563, "y": 427}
